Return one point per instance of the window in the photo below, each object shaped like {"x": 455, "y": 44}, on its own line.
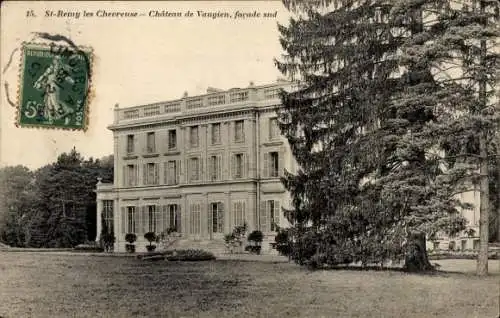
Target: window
{"x": 193, "y": 136}
{"x": 172, "y": 173}
{"x": 174, "y": 218}
{"x": 236, "y": 97}
{"x": 273, "y": 128}
{"x": 269, "y": 215}
{"x": 151, "y": 144}
{"x": 215, "y": 168}
{"x": 130, "y": 175}
{"x": 273, "y": 164}
{"x": 216, "y": 100}
{"x": 215, "y": 133}
{"x": 151, "y": 174}
{"x": 238, "y": 131}
{"x": 130, "y": 143}
{"x": 476, "y": 245}
{"x": 195, "y": 219}
{"x": 273, "y": 214}
{"x": 239, "y": 217}
{"x": 216, "y": 215}
{"x": 172, "y": 139}
{"x": 238, "y": 166}
{"x": 194, "y": 167}
{"x": 151, "y": 217}
{"x": 131, "y": 228}
{"x": 107, "y": 213}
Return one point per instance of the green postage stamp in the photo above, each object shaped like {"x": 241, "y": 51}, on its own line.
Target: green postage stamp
{"x": 54, "y": 87}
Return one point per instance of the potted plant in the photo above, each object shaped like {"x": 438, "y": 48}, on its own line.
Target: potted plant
{"x": 229, "y": 240}
{"x": 130, "y": 238}
{"x": 150, "y": 237}
{"x": 255, "y": 242}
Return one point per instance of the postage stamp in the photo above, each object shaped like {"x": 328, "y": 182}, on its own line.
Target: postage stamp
{"x": 54, "y": 86}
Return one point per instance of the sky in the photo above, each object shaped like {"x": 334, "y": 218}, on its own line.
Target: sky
{"x": 137, "y": 61}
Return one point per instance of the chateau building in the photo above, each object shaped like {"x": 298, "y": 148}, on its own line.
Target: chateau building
{"x": 200, "y": 165}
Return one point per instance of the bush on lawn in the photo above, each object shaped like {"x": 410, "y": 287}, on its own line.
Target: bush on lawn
{"x": 282, "y": 243}
{"x": 190, "y": 255}
{"x": 89, "y": 247}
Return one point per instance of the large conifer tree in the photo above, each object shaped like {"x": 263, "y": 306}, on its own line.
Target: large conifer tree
{"x": 365, "y": 128}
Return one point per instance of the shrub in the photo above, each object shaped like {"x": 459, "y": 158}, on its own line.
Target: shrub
{"x": 88, "y": 248}
{"x": 130, "y": 238}
{"x": 254, "y": 249}
{"x": 107, "y": 241}
{"x": 256, "y": 236}
{"x": 150, "y": 237}
{"x": 255, "y": 239}
{"x": 282, "y": 243}
{"x": 190, "y": 255}
{"x": 235, "y": 239}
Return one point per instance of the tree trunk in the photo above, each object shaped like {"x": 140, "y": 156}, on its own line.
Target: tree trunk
{"x": 482, "y": 258}
{"x": 484, "y": 220}
{"x": 416, "y": 259}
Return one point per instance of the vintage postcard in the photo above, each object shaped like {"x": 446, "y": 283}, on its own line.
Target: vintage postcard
{"x": 249, "y": 159}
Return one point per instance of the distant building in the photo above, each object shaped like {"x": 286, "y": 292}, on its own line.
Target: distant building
{"x": 200, "y": 165}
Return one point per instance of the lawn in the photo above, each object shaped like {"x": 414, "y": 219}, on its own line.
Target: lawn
{"x": 59, "y": 285}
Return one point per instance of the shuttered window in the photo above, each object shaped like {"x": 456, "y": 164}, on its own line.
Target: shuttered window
{"x": 269, "y": 215}
{"x": 239, "y": 217}
{"x": 128, "y": 218}
{"x": 195, "y": 219}
{"x": 216, "y": 217}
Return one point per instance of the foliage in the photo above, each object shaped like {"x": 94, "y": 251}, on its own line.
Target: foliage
{"x": 229, "y": 238}
{"x": 191, "y": 255}
{"x": 16, "y": 204}
{"x": 368, "y": 120}
{"x": 235, "y": 239}
{"x": 54, "y": 206}
{"x": 253, "y": 249}
{"x": 255, "y": 236}
{"x": 167, "y": 238}
{"x": 89, "y": 248}
{"x": 150, "y": 237}
{"x": 107, "y": 236}
{"x": 283, "y": 242}
{"x": 130, "y": 238}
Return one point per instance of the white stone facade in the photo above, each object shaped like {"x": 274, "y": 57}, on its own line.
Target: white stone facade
{"x": 201, "y": 164}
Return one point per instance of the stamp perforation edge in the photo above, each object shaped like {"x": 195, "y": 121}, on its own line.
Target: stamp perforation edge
{"x": 87, "y": 101}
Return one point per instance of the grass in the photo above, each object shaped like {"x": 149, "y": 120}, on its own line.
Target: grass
{"x": 59, "y": 285}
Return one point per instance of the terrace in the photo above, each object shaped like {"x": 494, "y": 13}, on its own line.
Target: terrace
{"x": 214, "y": 100}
